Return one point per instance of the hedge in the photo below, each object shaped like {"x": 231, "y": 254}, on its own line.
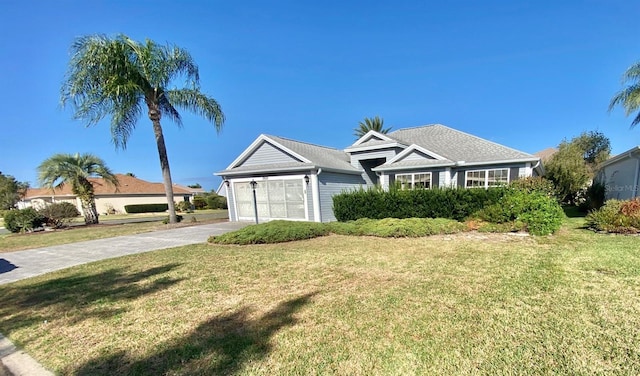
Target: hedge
{"x": 451, "y": 203}
{"x": 146, "y": 208}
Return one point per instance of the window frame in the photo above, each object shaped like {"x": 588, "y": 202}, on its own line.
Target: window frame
{"x": 486, "y": 183}
{"x": 412, "y": 181}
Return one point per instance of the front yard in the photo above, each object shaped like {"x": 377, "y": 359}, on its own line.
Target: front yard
{"x": 468, "y": 303}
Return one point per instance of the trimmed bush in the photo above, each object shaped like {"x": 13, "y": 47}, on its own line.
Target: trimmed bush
{"x": 146, "y": 208}
{"x": 616, "y": 217}
{"x": 59, "y": 214}
{"x": 272, "y": 232}
{"x": 450, "y": 203}
{"x": 535, "y": 184}
{"x": 541, "y": 214}
{"x": 24, "y": 220}
{"x": 397, "y": 228}
{"x": 199, "y": 202}
{"x": 184, "y": 206}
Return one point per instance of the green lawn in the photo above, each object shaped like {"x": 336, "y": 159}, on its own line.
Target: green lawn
{"x": 109, "y": 226}
{"x": 449, "y": 304}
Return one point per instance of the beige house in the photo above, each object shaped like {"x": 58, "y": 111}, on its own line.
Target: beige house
{"x": 109, "y": 199}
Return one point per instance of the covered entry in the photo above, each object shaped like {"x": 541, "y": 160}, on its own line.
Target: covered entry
{"x": 277, "y": 198}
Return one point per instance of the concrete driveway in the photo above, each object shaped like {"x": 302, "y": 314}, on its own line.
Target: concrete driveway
{"x": 18, "y": 265}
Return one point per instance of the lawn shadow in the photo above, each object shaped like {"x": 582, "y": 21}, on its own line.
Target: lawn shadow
{"x": 219, "y": 346}
{"x": 79, "y": 296}
{"x": 6, "y": 266}
{"x": 572, "y": 211}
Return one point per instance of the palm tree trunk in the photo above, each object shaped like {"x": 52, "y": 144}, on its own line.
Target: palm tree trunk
{"x": 154, "y": 115}
{"x": 89, "y": 210}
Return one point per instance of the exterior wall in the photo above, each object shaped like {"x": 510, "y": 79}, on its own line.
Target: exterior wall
{"x": 359, "y": 156}
{"x": 621, "y": 179}
{"x": 516, "y": 171}
{"x": 267, "y": 154}
{"x": 330, "y": 184}
{"x": 118, "y": 202}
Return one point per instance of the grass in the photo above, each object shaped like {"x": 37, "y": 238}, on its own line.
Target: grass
{"x": 106, "y": 229}
{"x": 466, "y": 303}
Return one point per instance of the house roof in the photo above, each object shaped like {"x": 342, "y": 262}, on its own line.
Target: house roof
{"x": 129, "y": 185}
{"x": 458, "y": 146}
{"x": 621, "y": 156}
{"x": 546, "y": 154}
{"x": 311, "y": 155}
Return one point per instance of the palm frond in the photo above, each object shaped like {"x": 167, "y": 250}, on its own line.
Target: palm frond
{"x": 197, "y": 102}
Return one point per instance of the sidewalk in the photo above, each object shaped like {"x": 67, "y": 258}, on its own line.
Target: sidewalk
{"x": 18, "y": 265}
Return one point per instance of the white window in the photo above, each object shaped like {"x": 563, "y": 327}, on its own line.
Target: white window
{"x": 420, "y": 180}
{"x": 487, "y": 178}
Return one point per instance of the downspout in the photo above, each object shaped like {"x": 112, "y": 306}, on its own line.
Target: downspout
{"x": 315, "y": 194}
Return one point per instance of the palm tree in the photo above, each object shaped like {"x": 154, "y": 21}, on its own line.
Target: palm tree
{"x": 76, "y": 170}
{"x": 370, "y": 124}
{"x": 629, "y": 97}
{"x": 118, "y": 77}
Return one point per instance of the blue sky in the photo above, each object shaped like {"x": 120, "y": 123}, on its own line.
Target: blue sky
{"x": 526, "y": 74}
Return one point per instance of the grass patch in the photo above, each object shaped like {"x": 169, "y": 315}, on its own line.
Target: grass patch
{"x": 467, "y": 303}
{"x": 16, "y": 242}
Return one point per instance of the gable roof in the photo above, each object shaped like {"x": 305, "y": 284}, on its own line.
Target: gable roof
{"x": 129, "y": 185}
{"x": 309, "y": 156}
{"x": 458, "y": 146}
{"x": 621, "y": 156}
{"x": 546, "y": 154}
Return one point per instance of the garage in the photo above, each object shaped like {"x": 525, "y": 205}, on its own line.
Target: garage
{"x": 276, "y": 198}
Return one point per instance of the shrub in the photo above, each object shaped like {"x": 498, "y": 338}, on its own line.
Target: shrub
{"x": 199, "y": 202}
{"x": 591, "y": 198}
{"x": 59, "y": 214}
{"x": 272, "y": 232}
{"x": 540, "y": 214}
{"x": 617, "y": 217}
{"x": 451, "y": 203}
{"x": 396, "y": 228}
{"x": 146, "y": 208}
{"x": 167, "y": 219}
{"x": 215, "y": 201}
{"x": 184, "y": 206}
{"x": 23, "y": 220}
{"x": 535, "y": 184}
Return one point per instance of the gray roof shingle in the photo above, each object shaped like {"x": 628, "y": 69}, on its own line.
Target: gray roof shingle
{"x": 456, "y": 145}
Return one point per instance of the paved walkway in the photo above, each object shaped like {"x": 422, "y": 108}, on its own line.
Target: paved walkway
{"x": 19, "y": 265}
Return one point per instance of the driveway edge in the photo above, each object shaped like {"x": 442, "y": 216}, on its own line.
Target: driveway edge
{"x": 18, "y": 362}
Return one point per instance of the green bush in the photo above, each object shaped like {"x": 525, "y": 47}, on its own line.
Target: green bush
{"x": 272, "y": 232}
{"x": 215, "y": 201}
{"x": 199, "y": 202}
{"x": 396, "y": 228}
{"x": 375, "y": 203}
{"x": 59, "y": 214}
{"x": 184, "y": 206}
{"x": 24, "y": 220}
{"x": 593, "y": 197}
{"x": 541, "y": 214}
{"x": 167, "y": 219}
{"x": 616, "y": 217}
{"x": 535, "y": 184}
{"x": 146, "y": 208}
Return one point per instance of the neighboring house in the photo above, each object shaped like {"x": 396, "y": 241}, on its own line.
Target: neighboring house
{"x": 109, "y": 199}
{"x": 621, "y": 174}
{"x": 546, "y": 154}
{"x": 296, "y": 180}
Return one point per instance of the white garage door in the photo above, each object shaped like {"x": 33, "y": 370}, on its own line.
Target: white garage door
{"x": 276, "y": 199}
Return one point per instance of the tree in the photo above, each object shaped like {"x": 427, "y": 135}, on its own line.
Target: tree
{"x": 194, "y": 186}
{"x": 61, "y": 169}
{"x": 573, "y": 166}
{"x": 629, "y": 97}
{"x": 118, "y": 77}
{"x": 370, "y": 124}
{"x": 11, "y": 191}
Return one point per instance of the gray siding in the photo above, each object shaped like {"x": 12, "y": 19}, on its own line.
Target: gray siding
{"x": 231, "y": 204}
{"x": 267, "y": 154}
{"x": 358, "y": 157}
{"x": 309, "y": 190}
{"x": 619, "y": 179}
{"x": 330, "y": 184}
{"x": 416, "y": 156}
